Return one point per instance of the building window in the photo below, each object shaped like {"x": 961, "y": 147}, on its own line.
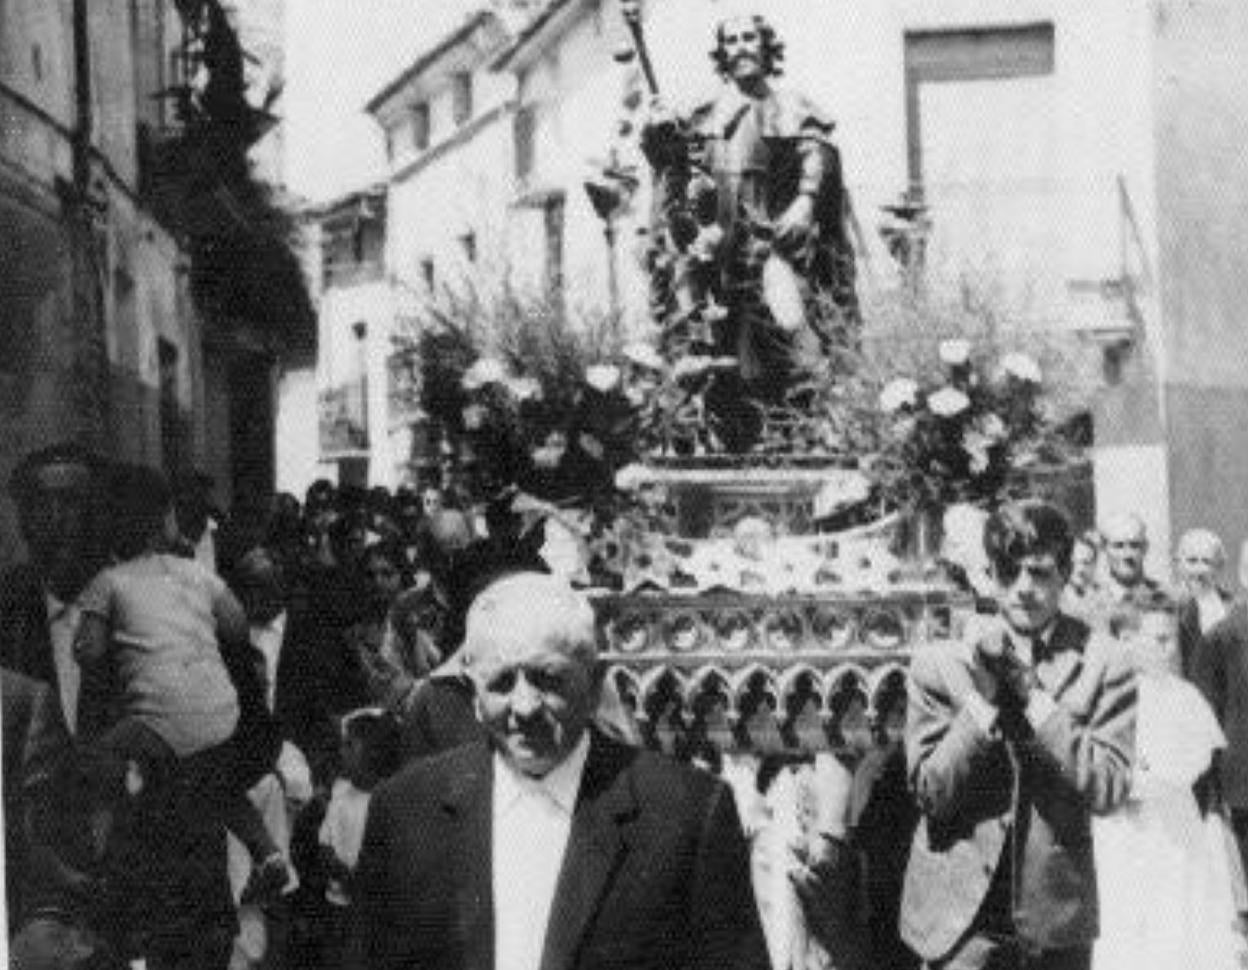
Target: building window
{"x": 175, "y": 77}
{"x": 469, "y": 243}
{"x": 421, "y": 126}
{"x": 959, "y": 56}
{"x": 461, "y": 97}
{"x": 982, "y": 141}
{"x": 390, "y": 144}
{"x": 525, "y": 127}
{"x": 172, "y": 425}
{"x": 554, "y": 224}
{"x": 428, "y": 274}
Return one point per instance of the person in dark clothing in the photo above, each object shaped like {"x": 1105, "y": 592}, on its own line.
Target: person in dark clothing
{"x": 58, "y": 492}
{"x": 36, "y": 742}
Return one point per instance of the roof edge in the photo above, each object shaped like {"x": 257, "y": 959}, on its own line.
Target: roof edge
{"x": 530, "y": 30}
{"x": 431, "y": 56}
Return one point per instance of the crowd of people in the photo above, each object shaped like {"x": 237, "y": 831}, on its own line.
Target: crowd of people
{"x": 197, "y": 705}
{"x": 368, "y": 729}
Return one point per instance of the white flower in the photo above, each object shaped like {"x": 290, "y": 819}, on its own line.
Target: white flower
{"x": 591, "y": 446}
{"x": 976, "y": 447}
{"x": 602, "y": 377}
{"x": 643, "y": 355}
{"x": 550, "y": 453}
{"x": 992, "y": 427}
{"x": 525, "y": 388}
{"x": 1022, "y": 367}
{"x": 954, "y": 353}
{"x": 898, "y": 393}
{"x": 546, "y": 457}
{"x": 948, "y": 402}
{"x": 486, "y": 370}
{"x": 474, "y": 416}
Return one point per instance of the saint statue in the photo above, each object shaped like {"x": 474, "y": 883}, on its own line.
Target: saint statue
{"x": 749, "y": 223}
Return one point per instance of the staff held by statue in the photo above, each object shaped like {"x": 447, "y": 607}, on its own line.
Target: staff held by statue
{"x": 631, "y": 9}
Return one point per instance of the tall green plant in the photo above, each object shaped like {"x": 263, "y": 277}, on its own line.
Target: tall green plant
{"x": 200, "y": 183}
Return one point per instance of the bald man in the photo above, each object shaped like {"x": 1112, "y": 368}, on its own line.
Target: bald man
{"x": 1125, "y": 586}
{"x": 548, "y": 845}
{"x": 1220, "y": 669}
{"x": 1199, "y": 560}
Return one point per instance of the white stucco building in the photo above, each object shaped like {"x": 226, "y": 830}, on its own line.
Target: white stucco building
{"x": 447, "y": 123}
{"x": 357, "y": 442}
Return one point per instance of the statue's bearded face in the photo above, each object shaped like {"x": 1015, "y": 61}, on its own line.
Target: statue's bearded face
{"x": 741, "y": 42}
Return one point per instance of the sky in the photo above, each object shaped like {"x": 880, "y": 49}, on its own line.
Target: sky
{"x": 339, "y": 53}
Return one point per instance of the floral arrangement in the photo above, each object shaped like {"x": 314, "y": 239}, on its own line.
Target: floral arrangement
{"x": 527, "y": 399}
{"x": 563, "y": 435}
{"x": 970, "y": 435}
{"x": 517, "y": 394}
{"x": 518, "y": 391}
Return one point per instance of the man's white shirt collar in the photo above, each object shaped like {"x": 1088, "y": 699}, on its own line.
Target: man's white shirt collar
{"x": 269, "y": 638}
{"x": 1024, "y": 645}
{"x": 63, "y": 619}
{"x": 562, "y": 784}
{"x": 991, "y": 629}
{"x": 531, "y": 827}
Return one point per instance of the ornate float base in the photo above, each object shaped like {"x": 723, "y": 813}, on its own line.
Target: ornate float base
{"x": 766, "y": 637}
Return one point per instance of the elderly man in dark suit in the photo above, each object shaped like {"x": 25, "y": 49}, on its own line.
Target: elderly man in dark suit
{"x": 551, "y": 846}
{"x": 1014, "y": 738}
{"x": 35, "y": 742}
{"x": 1219, "y": 668}
{"x": 1204, "y": 602}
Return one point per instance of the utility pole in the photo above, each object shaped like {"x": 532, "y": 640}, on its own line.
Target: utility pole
{"x": 87, "y": 213}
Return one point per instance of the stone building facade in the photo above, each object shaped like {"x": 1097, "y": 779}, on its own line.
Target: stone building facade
{"x": 102, "y": 341}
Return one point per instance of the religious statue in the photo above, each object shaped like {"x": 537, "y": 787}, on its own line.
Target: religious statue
{"x": 749, "y": 222}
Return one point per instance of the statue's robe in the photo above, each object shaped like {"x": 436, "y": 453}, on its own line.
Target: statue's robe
{"x": 761, "y": 154}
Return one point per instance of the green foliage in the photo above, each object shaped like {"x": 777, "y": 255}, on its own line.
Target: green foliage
{"x": 525, "y": 394}
{"x": 970, "y": 435}
{"x": 200, "y": 183}
{"x": 508, "y": 384}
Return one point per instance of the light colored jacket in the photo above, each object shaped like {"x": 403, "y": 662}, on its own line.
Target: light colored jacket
{"x": 980, "y": 794}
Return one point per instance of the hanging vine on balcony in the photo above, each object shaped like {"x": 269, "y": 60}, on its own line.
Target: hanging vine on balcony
{"x": 202, "y": 185}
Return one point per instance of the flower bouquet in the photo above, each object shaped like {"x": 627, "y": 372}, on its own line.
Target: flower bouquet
{"x": 972, "y": 435}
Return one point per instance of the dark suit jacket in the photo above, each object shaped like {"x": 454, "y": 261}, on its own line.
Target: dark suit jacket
{"x": 1190, "y": 634}
{"x": 1073, "y": 764}
{"x": 25, "y": 642}
{"x": 318, "y": 680}
{"x": 1220, "y": 670}
{"x": 655, "y": 874}
{"x": 35, "y": 741}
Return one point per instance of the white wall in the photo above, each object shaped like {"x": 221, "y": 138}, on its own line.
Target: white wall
{"x": 468, "y": 189}
{"x": 342, "y": 358}
{"x": 297, "y": 450}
